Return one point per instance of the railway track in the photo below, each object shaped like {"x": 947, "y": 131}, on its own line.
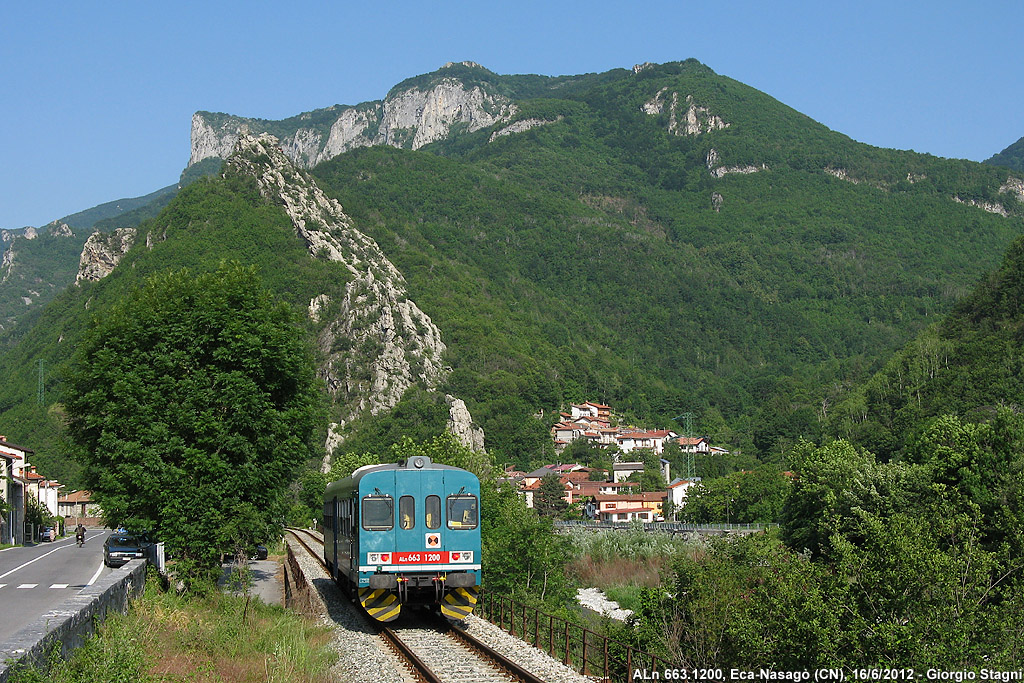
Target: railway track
{"x": 432, "y": 649}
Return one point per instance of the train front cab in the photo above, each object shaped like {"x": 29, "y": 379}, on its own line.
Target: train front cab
{"x": 418, "y": 539}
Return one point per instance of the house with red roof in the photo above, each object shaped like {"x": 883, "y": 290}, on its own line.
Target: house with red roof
{"x": 78, "y": 504}
{"x": 623, "y": 508}
{"x": 696, "y": 444}
{"x": 652, "y": 439}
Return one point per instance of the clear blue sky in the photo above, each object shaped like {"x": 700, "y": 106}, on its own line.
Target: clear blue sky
{"x": 97, "y": 97}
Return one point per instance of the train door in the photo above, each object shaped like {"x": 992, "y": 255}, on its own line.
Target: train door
{"x": 335, "y": 527}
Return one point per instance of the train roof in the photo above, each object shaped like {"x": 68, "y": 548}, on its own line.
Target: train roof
{"x": 419, "y": 462}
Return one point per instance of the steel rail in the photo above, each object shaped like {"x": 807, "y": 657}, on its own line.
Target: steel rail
{"x": 416, "y": 665}
{"x": 418, "y": 668}
{"x": 495, "y": 657}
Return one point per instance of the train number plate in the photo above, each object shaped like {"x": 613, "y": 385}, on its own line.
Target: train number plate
{"x": 421, "y": 557}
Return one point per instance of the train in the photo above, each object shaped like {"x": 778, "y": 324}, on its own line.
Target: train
{"x": 405, "y": 533}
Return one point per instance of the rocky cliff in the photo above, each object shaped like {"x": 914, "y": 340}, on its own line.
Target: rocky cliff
{"x": 376, "y": 341}
{"x": 102, "y": 252}
{"x": 409, "y": 117}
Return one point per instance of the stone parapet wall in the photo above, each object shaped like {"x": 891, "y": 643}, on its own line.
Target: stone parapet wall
{"x": 65, "y": 628}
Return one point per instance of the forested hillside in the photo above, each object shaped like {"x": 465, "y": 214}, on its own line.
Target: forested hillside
{"x": 1012, "y": 156}
{"x": 665, "y": 240}
{"x": 969, "y": 364}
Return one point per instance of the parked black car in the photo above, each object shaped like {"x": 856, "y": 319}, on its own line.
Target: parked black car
{"x": 118, "y": 549}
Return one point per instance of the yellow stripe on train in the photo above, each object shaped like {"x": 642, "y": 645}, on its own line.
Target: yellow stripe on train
{"x": 459, "y": 602}
{"x": 382, "y": 605}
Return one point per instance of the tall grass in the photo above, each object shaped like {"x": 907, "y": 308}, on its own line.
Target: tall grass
{"x": 631, "y": 544}
{"x": 213, "y": 638}
{"x": 621, "y": 562}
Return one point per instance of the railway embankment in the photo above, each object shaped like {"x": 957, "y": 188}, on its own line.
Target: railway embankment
{"x": 362, "y": 657}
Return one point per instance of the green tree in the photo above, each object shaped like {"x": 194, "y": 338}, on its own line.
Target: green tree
{"x": 190, "y": 406}
{"x": 549, "y": 499}
{"x": 523, "y": 555}
{"x": 741, "y": 497}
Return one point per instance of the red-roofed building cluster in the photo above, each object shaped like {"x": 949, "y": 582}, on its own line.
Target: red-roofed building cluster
{"x": 614, "y": 500}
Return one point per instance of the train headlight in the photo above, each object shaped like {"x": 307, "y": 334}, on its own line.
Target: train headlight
{"x": 417, "y": 463}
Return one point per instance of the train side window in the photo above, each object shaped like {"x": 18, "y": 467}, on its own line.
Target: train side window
{"x": 406, "y": 512}
{"x": 462, "y": 512}
{"x": 378, "y": 513}
{"x": 433, "y": 508}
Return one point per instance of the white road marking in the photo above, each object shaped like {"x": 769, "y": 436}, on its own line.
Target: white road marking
{"x": 28, "y": 585}
{"x": 31, "y": 561}
{"x": 59, "y": 585}
{"x": 95, "y": 576}
{"x": 2, "y": 585}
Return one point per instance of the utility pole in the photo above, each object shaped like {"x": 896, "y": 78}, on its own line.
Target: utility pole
{"x": 39, "y": 391}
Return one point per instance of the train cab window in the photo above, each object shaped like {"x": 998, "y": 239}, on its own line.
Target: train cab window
{"x": 462, "y": 512}
{"x": 433, "y": 506}
{"x": 378, "y": 513}
{"x": 406, "y": 512}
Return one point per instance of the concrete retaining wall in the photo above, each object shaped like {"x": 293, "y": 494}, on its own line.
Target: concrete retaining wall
{"x": 67, "y": 627}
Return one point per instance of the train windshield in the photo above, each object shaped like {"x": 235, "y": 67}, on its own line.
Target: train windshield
{"x": 462, "y": 512}
{"x": 378, "y": 513}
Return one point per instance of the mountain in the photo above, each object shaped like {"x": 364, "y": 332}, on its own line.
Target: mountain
{"x": 1011, "y": 157}
{"x": 662, "y": 239}
{"x": 39, "y": 263}
{"x": 969, "y": 364}
{"x": 109, "y": 213}
{"x": 459, "y": 98}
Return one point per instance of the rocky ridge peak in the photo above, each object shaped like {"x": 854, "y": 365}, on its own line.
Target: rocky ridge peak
{"x": 377, "y": 341}
{"x": 409, "y": 118}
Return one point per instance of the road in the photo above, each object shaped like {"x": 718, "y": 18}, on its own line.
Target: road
{"x": 37, "y": 578}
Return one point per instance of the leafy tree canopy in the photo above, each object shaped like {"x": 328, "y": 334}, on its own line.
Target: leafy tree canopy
{"x": 189, "y": 405}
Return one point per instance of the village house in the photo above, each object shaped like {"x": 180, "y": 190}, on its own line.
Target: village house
{"x": 12, "y": 488}
{"x": 621, "y": 471}
{"x": 654, "y": 440}
{"x": 10, "y": 497}
{"x": 78, "y": 505}
{"x": 622, "y": 508}
{"x": 590, "y": 409}
{"x": 679, "y": 489}
{"x": 589, "y": 489}
{"x": 696, "y": 444}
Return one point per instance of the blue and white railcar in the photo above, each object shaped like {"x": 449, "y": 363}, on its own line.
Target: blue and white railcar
{"x": 405, "y": 533}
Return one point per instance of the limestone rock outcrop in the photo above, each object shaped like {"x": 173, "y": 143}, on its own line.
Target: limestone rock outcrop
{"x": 521, "y": 126}
{"x": 991, "y": 207}
{"x": 376, "y": 341}
{"x": 102, "y": 252}
{"x": 716, "y": 169}
{"x": 1014, "y": 186}
{"x": 460, "y": 423}
{"x": 692, "y": 121}
{"x": 408, "y": 118}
